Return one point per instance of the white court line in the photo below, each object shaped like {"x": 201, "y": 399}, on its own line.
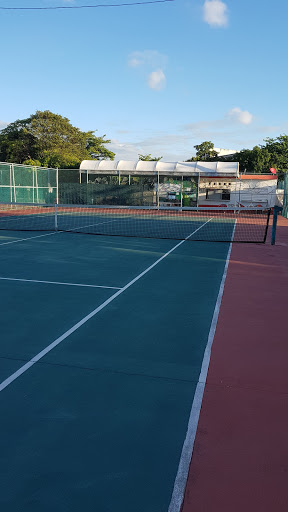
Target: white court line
{"x": 187, "y": 450}
{"x": 56, "y": 282}
{"x": 54, "y": 344}
{"x": 28, "y": 238}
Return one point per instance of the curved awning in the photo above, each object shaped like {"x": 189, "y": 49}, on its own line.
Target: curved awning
{"x": 165, "y": 168}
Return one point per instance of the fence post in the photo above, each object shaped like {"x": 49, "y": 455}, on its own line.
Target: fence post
{"x": 11, "y": 190}
{"x": 57, "y": 185}
{"x": 158, "y": 192}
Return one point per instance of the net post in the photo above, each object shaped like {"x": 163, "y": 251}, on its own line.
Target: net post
{"x": 277, "y": 209}
{"x": 55, "y": 217}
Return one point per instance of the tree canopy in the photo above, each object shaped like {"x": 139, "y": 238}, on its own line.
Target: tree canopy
{"x": 50, "y": 140}
{"x": 205, "y": 152}
{"x": 259, "y": 159}
{"x": 149, "y": 158}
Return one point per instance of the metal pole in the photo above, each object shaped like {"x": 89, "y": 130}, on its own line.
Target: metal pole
{"x": 55, "y": 218}
{"x": 33, "y": 176}
{"x": 158, "y": 186}
{"x": 11, "y": 197}
{"x": 181, "y": 193}
{"x": 198, "y": 184}
{"x": 14, "y": 186}
{"x": 37, "y": 189}
{"x": 277, "y": 209}
{"x": 57, "y": 185}
{"x": 240, "y": 190}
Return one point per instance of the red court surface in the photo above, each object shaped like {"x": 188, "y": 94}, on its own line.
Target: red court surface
{"x": 240, "y": 457}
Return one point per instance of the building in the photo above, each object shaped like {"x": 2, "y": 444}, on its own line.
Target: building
{"x": 225, "y": 152}
{"x": 204, "y": 184}
{"x": 246, "y": 190}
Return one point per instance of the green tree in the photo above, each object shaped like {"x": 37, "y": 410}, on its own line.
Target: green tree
{"x": 149, "y": 158}
{"x": 256, "y": 160}
{"x": 261, "y": 158}
{"x": 274, "y": 153}
{"x": 278, "y": 152}
{"x": 204, "y": 152}
{"x": 52, "y": 140}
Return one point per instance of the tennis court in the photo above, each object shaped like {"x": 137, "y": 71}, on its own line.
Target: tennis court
{"x": 103, "y": 341}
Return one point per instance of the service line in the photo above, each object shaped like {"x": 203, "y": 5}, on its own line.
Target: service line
{"x": 57, "y": 282}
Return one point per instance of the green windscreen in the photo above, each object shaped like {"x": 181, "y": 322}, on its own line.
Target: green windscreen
{"x": 27, "y": 184}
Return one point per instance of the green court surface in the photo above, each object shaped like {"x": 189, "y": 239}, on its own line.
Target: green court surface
{"x": 99, "y": 421}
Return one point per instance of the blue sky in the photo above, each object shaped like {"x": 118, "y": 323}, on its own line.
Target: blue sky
{"x": 156, "y": 78}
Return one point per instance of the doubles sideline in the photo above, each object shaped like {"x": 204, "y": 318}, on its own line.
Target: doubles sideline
{"x": 187, "y": 450}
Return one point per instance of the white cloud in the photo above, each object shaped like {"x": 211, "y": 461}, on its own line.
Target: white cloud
{"x": 157, "y": 80}
{"x": 134, "y": 62}
{"x": 215, "y": 13}
{"x": 150, "y": 64}
{"x": 230, "y": 121}
{"x": 3, "y": 125}
{"x": 179, "y": 144}
{"x": 124, "y": 151}
{"x": 147, "y": 58}
{"x": 240, "y": 116}
{"x": 171, "y": 146}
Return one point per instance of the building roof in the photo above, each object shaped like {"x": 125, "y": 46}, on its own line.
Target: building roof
{"x": 150, "y": 167}
{"x": 258, "y": 177}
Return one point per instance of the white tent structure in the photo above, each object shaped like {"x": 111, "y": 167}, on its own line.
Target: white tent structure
{"x": 174, "y": 183}
{"x": 141, "y": 167}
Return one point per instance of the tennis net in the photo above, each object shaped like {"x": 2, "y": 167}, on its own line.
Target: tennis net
{"x": 199, "y": 224}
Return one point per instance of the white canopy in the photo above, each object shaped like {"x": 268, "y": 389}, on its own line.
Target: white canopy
{"x": 148, "y": 167}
